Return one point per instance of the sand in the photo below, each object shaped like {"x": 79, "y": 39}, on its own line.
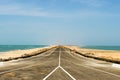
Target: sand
{"x": 19, "y": 53}
{"x": 107, "y": 54}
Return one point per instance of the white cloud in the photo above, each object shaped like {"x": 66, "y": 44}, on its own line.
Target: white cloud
{"x": 21, "y": 10}
{"x": 10, "y": 7}
{"x": 95, "y": 3}
{"x": 26, "y": 10}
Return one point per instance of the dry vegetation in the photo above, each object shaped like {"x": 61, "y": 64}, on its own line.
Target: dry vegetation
{"x": 13, "y": 55}
{"x": 106, "y": 55}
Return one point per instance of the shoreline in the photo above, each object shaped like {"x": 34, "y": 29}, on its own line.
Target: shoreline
{"x": 111, "y": 48}
{"x": 7, "y": 48}
{"x": 105, "y": 55}
{"x": 16, "y": 54}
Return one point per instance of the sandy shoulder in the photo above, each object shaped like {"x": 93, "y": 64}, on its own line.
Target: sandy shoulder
{"x": 108, "y": 54}
{"x": 18, "y": 53}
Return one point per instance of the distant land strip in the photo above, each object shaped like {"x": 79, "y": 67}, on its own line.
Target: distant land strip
{"x": 90, "y": 54}
{"x": 104, "y": 55}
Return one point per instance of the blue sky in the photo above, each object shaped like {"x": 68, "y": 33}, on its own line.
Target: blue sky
{"x": 74, "y": 22}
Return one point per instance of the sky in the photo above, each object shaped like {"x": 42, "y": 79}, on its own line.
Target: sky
{"x": 64, "y": 22}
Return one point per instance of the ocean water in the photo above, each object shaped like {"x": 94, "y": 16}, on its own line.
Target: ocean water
{"x": 4, "y": 48}
{"x": 103, "y": 47}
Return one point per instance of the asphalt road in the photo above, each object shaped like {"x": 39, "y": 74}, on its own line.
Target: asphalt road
{"x": 58, "y": 64}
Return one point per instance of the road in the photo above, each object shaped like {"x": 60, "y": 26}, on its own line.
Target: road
{"x": 58, "y": 64}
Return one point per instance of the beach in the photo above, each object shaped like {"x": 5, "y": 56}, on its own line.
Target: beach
{"x": 112, "y": 55}
{"x": 108, "y": 55}
{"x": 59, "y": 63}
{"x": 11, "y": 55}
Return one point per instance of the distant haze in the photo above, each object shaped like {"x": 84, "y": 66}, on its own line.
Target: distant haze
{"x": 73, "y": 22}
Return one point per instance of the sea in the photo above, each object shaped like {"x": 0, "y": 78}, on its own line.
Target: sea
{"x": 103, "y": 47}
{"x": 5, "y": 48}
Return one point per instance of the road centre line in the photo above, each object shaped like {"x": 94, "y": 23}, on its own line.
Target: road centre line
{"x": 59, "y": 57}
{"x": 53, "y": 70}
{"x": 63, "y": 68}
{"x": 59, "y": 66}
